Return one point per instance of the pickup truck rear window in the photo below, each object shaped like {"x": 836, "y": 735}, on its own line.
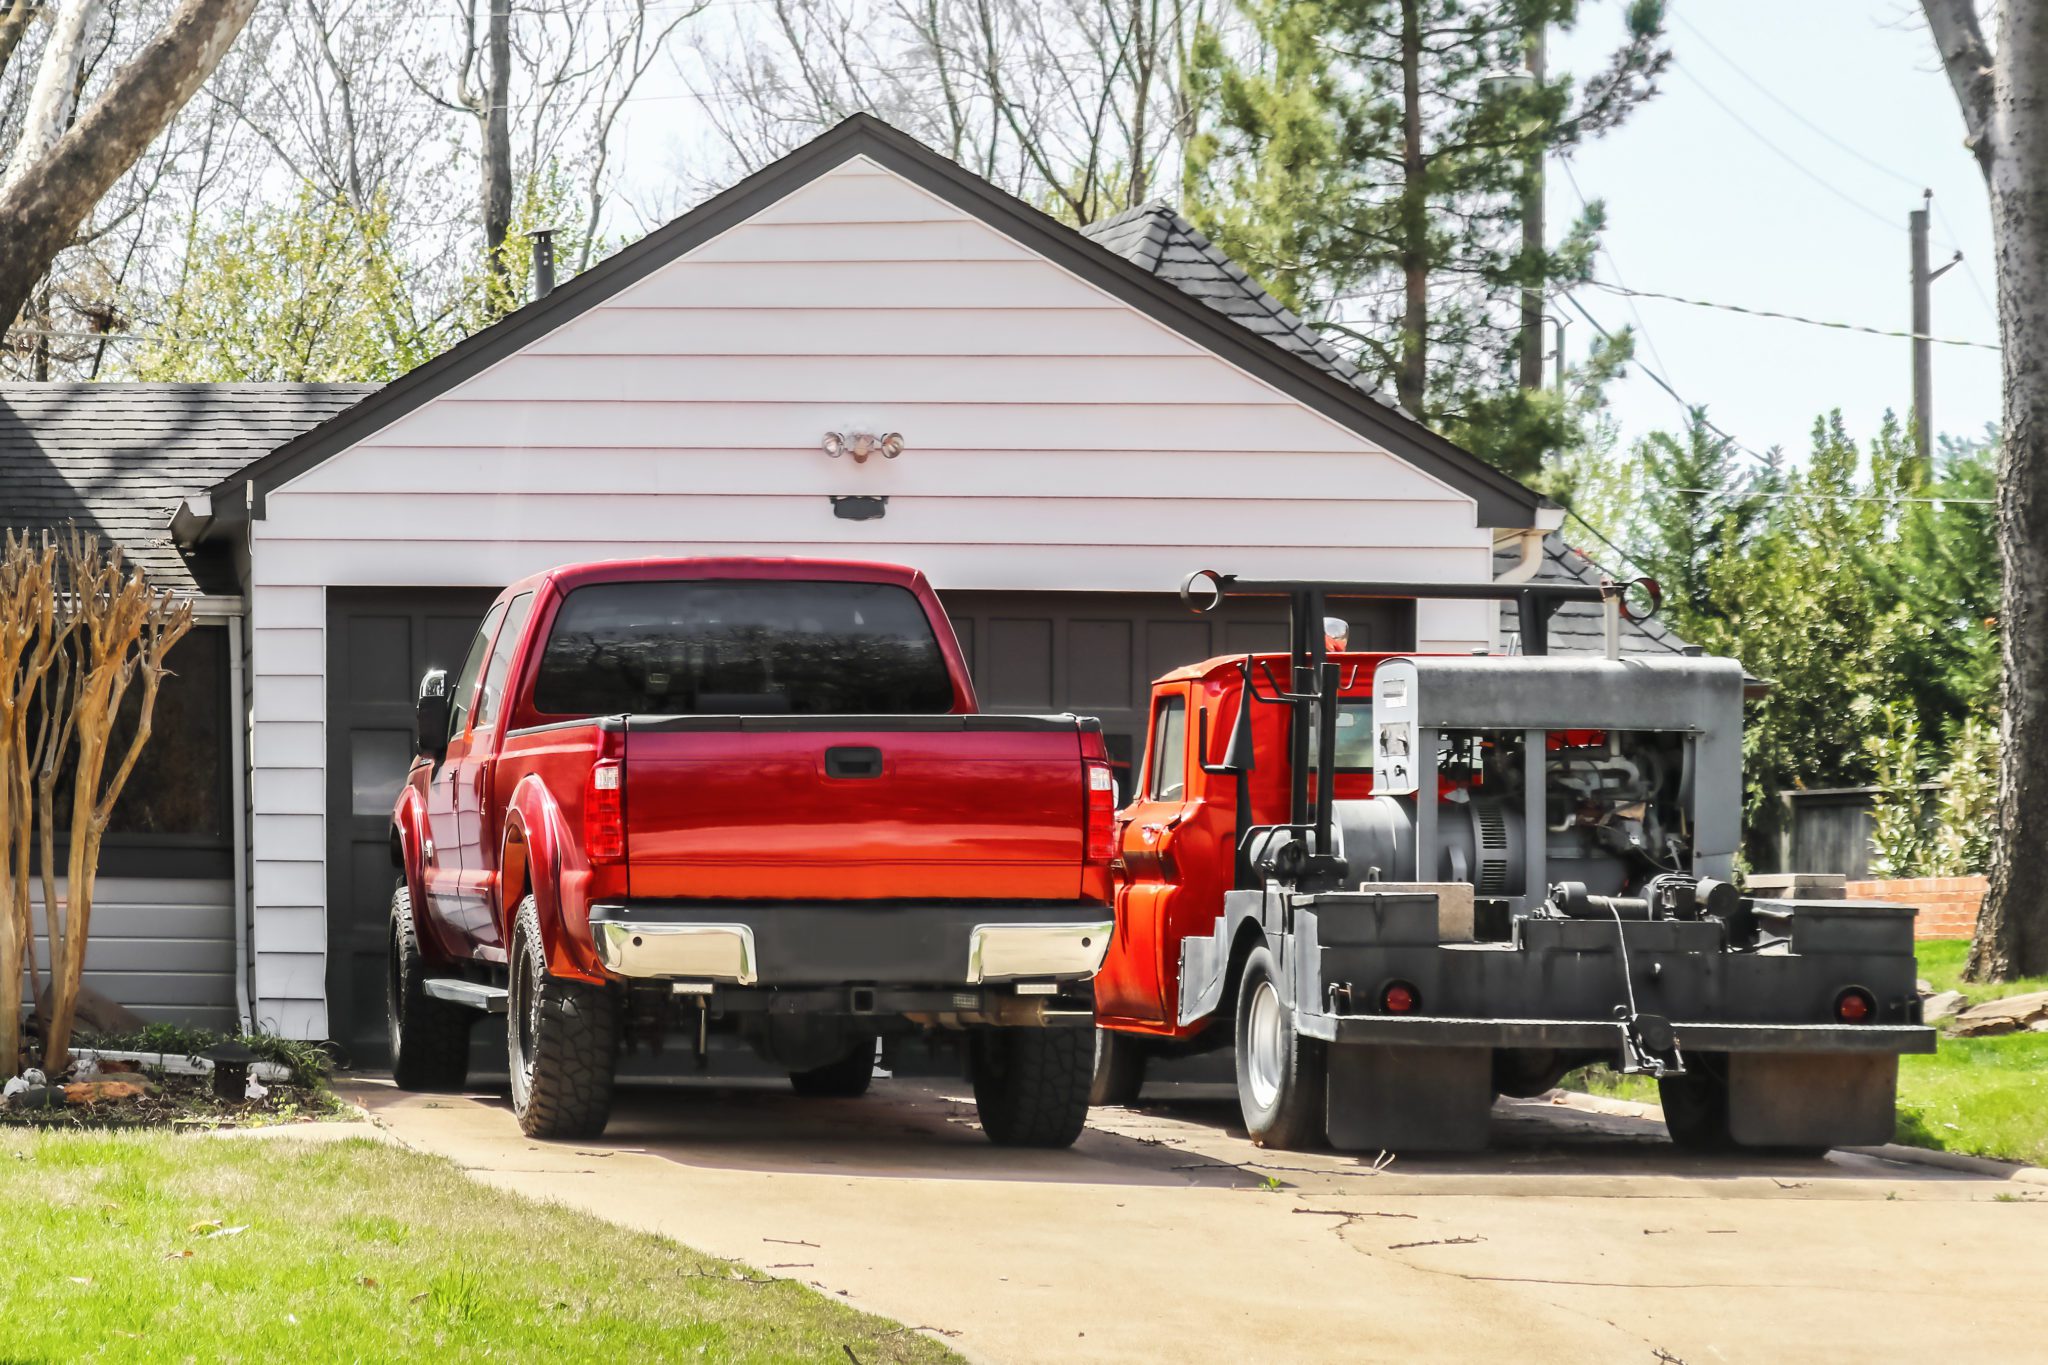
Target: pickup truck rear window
{"x": 742, "y": 647}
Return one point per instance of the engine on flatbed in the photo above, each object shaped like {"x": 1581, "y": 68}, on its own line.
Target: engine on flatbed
{"x": 1514, "y": 775}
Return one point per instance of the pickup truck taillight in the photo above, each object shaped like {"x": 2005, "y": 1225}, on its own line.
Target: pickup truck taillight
{"x": 604, "y": 814}
{"x": 1101, "y": 811}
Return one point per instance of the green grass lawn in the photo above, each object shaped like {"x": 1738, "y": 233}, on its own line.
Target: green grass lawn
{"x": 161, "y": 1247}
{"x": 1977, "y": 1096}
{"x": 1980, "y": 1097}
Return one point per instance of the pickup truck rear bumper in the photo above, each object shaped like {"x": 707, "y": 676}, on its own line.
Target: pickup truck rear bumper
{"x": 784, "y": 943}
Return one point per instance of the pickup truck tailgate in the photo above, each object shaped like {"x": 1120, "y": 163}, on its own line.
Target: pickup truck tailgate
{"x": 854, "y": 807}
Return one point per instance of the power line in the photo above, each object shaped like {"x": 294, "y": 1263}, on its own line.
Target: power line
{"x": 1794, "y": 162}
{"x": 1614, "y": 265}
{"x": 1664, "y": 384}
{"x": 1773, "y": 97}
{"x": 1601, "y": 536}
{"x": 1791, "y": 317}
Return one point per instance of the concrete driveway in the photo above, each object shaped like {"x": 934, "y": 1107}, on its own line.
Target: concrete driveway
{"x": 1166, "y": 1235}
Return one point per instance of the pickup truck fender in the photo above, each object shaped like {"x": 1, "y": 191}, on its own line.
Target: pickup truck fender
{"x": 408, "y": 854}
{"x": 408, "y": 823}
{"x": 535, "y": 853}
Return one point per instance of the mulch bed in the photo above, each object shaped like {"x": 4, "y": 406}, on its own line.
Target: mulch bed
{"x": 165, "y": 1102}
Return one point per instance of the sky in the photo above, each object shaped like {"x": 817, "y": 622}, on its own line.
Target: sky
{"x": 1803, "y": 210}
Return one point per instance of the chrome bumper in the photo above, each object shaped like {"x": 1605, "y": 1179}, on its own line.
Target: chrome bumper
{"x": 744, "y": 945}
{"x": 1008, "y": 952}
{"x": 690, "y": 952}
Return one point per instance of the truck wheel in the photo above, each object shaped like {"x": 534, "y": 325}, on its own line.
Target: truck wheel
{"x": 1696, "y": 1104}
{"x": 846, "y": 1079}
{"x": 1119, "y": 1068}
{"x": 1031, "y": 1084}
{"x": 429, "y": 1037}
{"x": 561, "y": 1039}
{"x": 1282, "y": 1077}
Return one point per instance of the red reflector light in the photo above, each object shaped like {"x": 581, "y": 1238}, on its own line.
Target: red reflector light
{"x": 1854, "y": 1006}
{"x": 1101, "y": 838}
{"x": 1400, "y": 998}
{"x": 604, "y": 814}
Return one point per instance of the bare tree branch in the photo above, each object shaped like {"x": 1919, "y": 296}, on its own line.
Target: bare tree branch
{"x": 42, "y": 210}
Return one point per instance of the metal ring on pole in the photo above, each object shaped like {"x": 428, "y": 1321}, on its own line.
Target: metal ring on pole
{"x": 1652, "y": 590}
{"x": 1187, "y": 591}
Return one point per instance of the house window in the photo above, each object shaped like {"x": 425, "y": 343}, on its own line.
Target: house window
{"x": 173, "y": 817}
{"x": 180, "y": 786}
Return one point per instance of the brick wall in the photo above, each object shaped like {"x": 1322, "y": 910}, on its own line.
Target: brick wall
{"x": 1947, "y": 905}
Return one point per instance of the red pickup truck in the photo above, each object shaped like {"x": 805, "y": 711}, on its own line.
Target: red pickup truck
{"x": 745, "y": 798}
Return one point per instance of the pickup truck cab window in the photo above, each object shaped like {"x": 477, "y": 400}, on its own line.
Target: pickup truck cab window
{"x": 742, "y": 647}
{"x": 464, "y": 696}
{"x": 491, "y": 701}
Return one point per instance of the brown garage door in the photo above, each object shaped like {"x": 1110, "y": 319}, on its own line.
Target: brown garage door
{"x": 379, "y": 642}
{"x": 1096, "y": 654}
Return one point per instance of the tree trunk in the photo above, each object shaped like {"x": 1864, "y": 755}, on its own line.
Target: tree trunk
{"x": 42, "y": 211}
{"x": 498, "y": 138}
{"x": 1411, "y": 376}
{"x": 14, "y": 20}
{"x": 1144, "y": 39}
{"x": 2005, "y": 109}
{"x": 1531, "y": 357}
{"x": 52, "y": 99}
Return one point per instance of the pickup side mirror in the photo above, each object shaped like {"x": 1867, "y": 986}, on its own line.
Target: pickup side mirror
{"x": 430, "y": 716}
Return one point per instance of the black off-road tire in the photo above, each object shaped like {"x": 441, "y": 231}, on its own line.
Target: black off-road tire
{"x": 1119, "y": 1068}
{"x": 1031, "y": 1084}
{"x": 561, "y": 1042}
{"x": 429, "y": 1037}
{"x": 1282, "y": 1083}
{"x": 846, "y": 1079}
{"x": 1696, "y": 1104}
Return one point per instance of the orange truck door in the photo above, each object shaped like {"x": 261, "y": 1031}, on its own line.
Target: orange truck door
{"x": 1133, "y": 979}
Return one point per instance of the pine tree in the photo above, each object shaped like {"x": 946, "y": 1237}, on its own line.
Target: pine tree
{"x": 1370, "y": 161}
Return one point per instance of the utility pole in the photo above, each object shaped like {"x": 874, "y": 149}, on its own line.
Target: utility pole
{"x": 1923, "y": 356}
{"x": 1532, "y": 239}
{"x": 1923, "y": 330}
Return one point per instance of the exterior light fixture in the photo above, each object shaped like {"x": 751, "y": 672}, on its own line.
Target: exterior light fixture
{"x": 861, "y": 445}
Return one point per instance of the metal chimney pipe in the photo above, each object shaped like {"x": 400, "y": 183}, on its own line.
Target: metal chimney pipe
{"x": 543, "y": 240}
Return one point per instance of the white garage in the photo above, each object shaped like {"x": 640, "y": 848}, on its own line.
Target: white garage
{"x": 1083, "y": 419}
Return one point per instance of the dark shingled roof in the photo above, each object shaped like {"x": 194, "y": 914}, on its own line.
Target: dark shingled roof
{"x": 1580, "y": 627}
{"x": 118, "y": 458}
{"x": 1157, "y": 239}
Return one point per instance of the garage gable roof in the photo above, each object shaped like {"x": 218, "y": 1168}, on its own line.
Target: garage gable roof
{"x": 1156, "y": 239}
{"x": 1501, "y": 500}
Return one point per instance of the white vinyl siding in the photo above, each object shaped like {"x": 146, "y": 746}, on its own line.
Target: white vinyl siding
{"x": 164, "y": 947}
{"x": 1056, "y": 438}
